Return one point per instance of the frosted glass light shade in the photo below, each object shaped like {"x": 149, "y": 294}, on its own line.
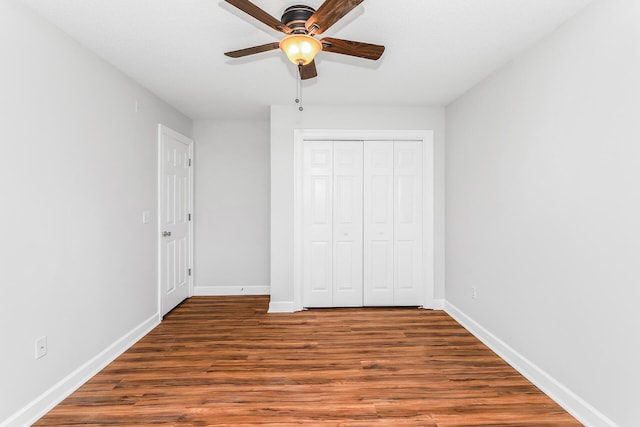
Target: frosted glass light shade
{"x": 300, "y": 48}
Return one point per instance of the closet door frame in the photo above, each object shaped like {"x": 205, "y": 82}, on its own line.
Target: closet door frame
{"x": 426, "y": 137}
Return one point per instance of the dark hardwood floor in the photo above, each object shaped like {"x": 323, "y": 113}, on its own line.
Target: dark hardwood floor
{"x": 223, "y": 361}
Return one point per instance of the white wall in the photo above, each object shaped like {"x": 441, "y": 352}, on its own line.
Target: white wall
{"x": 286, "y": 118}
{"x": 543, "y": 209}
{"x": 231, "y": 218}
{"x": 78, "y": 170}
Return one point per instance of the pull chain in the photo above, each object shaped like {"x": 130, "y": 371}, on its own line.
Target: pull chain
{"x": 299, "y": 88}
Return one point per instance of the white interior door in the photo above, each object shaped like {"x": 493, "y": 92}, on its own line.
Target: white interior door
{"x": 362, "y": 223}
{"x": 175, "y": 201}
{"x": 408, "y": 263}
{"x": 347, "y": 224}
{"x": 317, "y": 202}
{"x": 378, "y": 223}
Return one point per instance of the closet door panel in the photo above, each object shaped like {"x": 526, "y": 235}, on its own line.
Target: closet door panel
{"x": 378, "y": 223}
{"x": 347, "y": 224}
{"x": 317, "y": 224}
{"x": 408, "y": 222}
{"x": 362, "y": 223}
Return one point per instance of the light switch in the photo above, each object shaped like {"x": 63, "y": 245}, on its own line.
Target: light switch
{"x": 146, "y": 217}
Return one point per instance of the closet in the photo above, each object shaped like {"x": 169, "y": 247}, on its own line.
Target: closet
{"x": 362, "y": 223}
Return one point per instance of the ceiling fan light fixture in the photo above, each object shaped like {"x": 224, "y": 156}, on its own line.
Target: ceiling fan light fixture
{"x": 301, "y": 49}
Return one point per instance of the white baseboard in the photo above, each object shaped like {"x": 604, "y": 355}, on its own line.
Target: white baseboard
{"x": 218, "y": 291}
{"x": 571, "y": 402}
{"x": 282, "y": 307}
{"x": 56, "y": 394}
{"x": 436, "y": 304}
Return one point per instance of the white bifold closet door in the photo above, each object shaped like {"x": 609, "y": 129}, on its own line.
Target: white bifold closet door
{"x": 362, "y": 223}
{"x": 393, "y": 223}
{"x": 332, "y": 261}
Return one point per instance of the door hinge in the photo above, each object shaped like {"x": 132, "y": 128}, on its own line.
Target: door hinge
{"x": 189, "y": 272}
{"x": 189, "y": 217}
{"x": 189, "y": 162}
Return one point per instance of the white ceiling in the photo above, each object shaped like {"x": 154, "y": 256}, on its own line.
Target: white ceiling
{"x": 436, "y": 49}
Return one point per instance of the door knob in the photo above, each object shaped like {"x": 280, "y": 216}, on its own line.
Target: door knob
{"x": 166, "y": 233}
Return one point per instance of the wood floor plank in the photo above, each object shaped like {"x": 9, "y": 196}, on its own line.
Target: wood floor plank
{"x": 224, "y": 361}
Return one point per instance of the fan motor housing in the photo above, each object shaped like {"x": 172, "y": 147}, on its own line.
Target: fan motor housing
{"x": 295, "y": 17}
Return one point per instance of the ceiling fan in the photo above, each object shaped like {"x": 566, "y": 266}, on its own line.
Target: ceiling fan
{"x": 301, "y": 23}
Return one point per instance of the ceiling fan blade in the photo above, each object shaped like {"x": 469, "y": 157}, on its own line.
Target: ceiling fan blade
{"x": 251, "y": 9}
{"x": 348, "y": 47}
{"x": 308, "y": 71}
{"x": 252, "y": 50}
{"x": 330, "y": 12}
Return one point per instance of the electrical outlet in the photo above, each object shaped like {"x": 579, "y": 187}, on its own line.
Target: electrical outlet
{"x": 474, "y": 292}
{"x": 41, "y": 347}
